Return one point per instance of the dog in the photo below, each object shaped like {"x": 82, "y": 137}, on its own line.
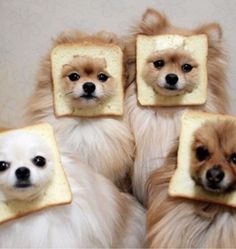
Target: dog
{"x": 178, "y": 222}
{"x": 99, "y": 215}
{"x": 24, "y": 173}
{"x": 92, "y": 85}
{"x": 172, "y": 72}
{"x": 104, "y": 143}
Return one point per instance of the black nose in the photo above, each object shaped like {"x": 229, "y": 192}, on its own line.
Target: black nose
{"x": 215, "y": 174}
{"x": 171, "y": 79}
{"x": 89, "y": 87}
{"x": 22, "y": 173}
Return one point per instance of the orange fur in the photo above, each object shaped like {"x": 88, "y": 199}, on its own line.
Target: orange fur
{"x": 181, "y": 223}
{"x": 156, "y": 128}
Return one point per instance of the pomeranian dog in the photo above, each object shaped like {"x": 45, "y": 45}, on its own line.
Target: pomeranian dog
{"x": 99, "y": 215}
{"x": 104, "y": 143}
{"x": 92, "y": 85}
{"x": 182, "y": 223}
{"x": 171, "y": 72}
{"x": 24, "y": 173}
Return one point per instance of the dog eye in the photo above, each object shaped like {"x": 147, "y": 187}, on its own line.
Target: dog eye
{"x": 187, "y": 68}
{"x": 202, "y": 153}
{"x": 4, "y": 165}
{"x": 39, "y": 161}
{"x": 73, "y": 76}
{"x": 159, "y": 64}
{"x": 233, "y": 158}
{"x": 102, "y": 77}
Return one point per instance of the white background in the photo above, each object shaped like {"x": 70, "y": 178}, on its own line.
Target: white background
{"x": 27, "y": 27}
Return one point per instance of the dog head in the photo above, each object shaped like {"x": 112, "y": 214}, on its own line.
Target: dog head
{"x": 178, "y": 65}
{"x": 171, "y": 72}
{"x": 26, "y": 165}
{"x": 213, "y": 163}
{"x": 86, "y": 80}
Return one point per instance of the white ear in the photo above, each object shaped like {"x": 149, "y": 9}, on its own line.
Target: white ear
{"x": 152, "y": 17}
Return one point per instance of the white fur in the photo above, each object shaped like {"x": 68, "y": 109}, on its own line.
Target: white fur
{"x": 99, "y": 216}
{"x": 18, "y": 149}
{"x": 103, "y": 143}
{"x": 155, "y": 130}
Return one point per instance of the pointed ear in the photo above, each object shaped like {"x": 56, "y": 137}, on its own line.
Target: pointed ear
{"x": 154, "y": 19}
{"x": 213, "y": 31}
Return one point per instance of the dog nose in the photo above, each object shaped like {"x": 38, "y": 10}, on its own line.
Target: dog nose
{"x": 22, "y": 173}
{"x": 89, "y": 87}
{"x": 215, "y": 174}
{"x": 171, "y": 79}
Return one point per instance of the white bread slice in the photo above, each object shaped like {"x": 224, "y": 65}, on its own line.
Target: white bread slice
{"x": 181, "y": 184}
{"x": 58, "y": 191}
{"x": 196, "y": 45}
{"x": 113, "y": 55}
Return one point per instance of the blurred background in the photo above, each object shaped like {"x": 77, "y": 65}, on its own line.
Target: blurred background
{"x": 28, "y": 26}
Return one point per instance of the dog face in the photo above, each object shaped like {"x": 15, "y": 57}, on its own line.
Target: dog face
{"x": 214, "y": 157}
{"x": 86, "y": 80}
{"x": 171, "y": 72}
{"x": 26, "y": 165}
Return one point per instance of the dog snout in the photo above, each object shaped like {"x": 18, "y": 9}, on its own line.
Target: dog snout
{"x": 89, "y": 87}
{"x": 22, "y": 173}
{"x": 215, "y": 174}
{"x": 171, "y": 79}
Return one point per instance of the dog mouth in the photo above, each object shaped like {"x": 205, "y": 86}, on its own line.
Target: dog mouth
{"x": 171, "y": 88}
{"x": 23, "y": 184}
{"x": 88, "y": 96}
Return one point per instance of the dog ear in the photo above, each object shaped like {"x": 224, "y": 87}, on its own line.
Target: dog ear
{"x": 152, "y": 22}
{"x": 213, "y": 31}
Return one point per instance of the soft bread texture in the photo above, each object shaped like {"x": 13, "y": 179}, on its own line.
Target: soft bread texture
{"x": 113, "y": 55}
{"x": 196, "y": 45}
{"x": 181, "y": 184}
{"x": 58, "y": 191}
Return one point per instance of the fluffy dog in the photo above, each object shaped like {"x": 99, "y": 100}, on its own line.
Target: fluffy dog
{"x": 99, "y": 215}
{"x": 171, "y": 72}
{"x": 24, "y": 174}
{"x": 178, "y": 222}
{"x": 104, "y": 143}
{"x": 92, "y": 85}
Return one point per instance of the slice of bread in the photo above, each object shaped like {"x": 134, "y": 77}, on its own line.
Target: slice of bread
{"x": 196, "y": 45}
{"x": 58, "y": 191}
{"x": 62, "y": 54}
{"x": 182, "y": 185}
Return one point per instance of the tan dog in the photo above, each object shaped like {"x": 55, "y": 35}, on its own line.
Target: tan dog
{"x": 155, "y": 128}
{"x": 181, "y": 223}
{"x": 104, "y": 143}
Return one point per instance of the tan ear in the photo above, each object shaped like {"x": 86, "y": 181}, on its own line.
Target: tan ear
{"x": 152, "y": 18}
{"x": 213, "y": 31}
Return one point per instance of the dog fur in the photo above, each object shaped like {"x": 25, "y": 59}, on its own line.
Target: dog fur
{"x": 103, "y": 143}
{"x": 182, "y": 223}
{"x": 156, "y": 128}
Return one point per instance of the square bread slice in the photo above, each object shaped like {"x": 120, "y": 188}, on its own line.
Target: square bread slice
{"x": 182, "y": 185}
{"x": 113, "y": 55}
{"x": 196, "y": 45}
{"x": 58, "y": 191}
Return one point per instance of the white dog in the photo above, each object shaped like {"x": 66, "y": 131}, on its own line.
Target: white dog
{"x": 99, "y": 215}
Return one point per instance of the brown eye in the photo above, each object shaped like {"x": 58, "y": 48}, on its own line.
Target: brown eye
{"x": 102, "y": 77}
{"x": 187, "y": 68}
{"x": 4, "y": 165}
{"x": 74, "y": 76}
{"x": 233, "y": 158}
{"x": 39, "y": 161}
{"x": 159, "y": 64}
{"x": 202, "y": 153}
